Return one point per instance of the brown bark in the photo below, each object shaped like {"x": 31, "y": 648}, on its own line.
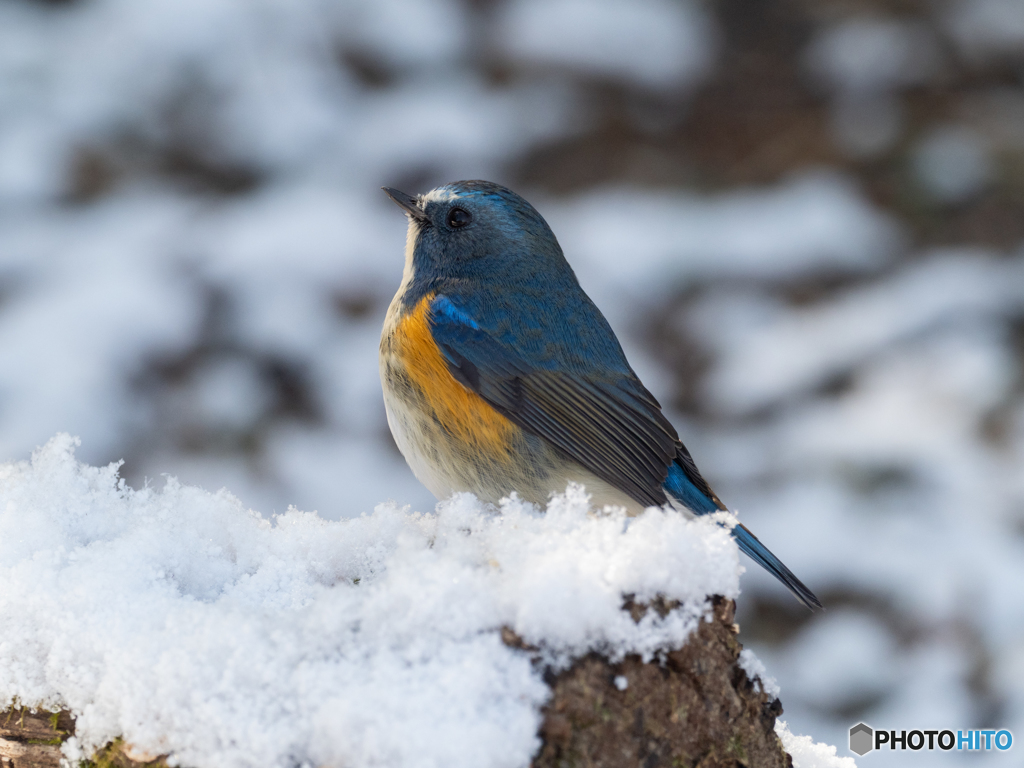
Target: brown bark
{"x": 697, "y": 709}
{"x": 32, "y": 740}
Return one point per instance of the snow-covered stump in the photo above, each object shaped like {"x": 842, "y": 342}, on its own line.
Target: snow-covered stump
{"x": 177, "y": 622}
{"x": 694, "y": 707}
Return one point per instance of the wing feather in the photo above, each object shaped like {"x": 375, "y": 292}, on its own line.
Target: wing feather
{"x": 613, "y": 426}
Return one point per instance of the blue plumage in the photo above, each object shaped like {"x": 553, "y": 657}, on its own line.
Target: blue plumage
{"x": 682, "y": 489}
{"x": 511, "y": 325}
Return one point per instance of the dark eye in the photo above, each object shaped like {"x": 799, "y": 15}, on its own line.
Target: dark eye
{"x": 459, "y": 217}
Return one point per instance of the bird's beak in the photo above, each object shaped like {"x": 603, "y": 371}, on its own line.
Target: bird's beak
{"x": 406, "y": 202}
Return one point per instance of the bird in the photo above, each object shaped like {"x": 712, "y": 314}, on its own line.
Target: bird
{"x": 500, "y": 374}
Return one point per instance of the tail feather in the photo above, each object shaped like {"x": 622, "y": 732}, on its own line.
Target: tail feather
{"x": 757, "y": 551}
{"x": 686, "y": 485}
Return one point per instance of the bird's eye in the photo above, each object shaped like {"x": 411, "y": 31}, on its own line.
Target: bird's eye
{"x": 459, "y": 217}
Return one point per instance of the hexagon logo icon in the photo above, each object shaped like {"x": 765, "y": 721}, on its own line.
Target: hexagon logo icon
{"x": 861, "y": 739}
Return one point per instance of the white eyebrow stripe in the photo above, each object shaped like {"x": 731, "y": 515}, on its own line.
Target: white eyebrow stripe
{"x": 439, "y": 195}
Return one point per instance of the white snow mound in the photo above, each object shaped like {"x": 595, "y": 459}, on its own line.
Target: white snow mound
{"x": 189, "y": 625}
{"x": 808, "y": 753}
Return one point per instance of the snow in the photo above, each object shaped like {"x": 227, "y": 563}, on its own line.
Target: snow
{"x": 864, "y": 63}
{"x": 186, "y": 623}
{"x": 847, "y": 657}
{"x": 952, "y": 163}
{"x": 797, "y": 348}
{"x": 655, "y": 43}
{"x": 808, "y": 222}
{"x": 409, "y": 34}
{"x": 860, "y": 55}
{"x": 757, "y": 673}
{"x": 807, "y": 753}
{"x": 987, "y": 28}
{"x": 865, "y": 125}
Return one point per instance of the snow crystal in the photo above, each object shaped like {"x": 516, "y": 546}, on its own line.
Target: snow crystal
{"x": 807, "y": 753}
{"x": 187, "y": 624}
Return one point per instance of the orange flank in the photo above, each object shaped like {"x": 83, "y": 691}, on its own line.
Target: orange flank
{"x": 463, "y": 414}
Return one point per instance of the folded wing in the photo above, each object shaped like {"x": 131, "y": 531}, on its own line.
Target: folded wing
{"x": 609, "y": 423}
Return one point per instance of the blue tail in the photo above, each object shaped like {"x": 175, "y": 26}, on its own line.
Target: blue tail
{"x": 690, "y": 489}
{"x": 758, "y": 552}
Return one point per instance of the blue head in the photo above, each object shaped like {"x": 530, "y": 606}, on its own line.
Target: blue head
{"x": 482, "y": 234}
{"x": 490, "y": 252}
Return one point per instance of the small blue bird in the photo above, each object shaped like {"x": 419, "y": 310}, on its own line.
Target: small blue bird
{"x": 501, "y": 375}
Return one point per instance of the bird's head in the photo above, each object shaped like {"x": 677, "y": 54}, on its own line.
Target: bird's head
{"x": 476, "y": 230}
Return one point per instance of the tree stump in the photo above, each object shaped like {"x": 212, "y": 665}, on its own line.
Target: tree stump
{"x": 698, "y": 708}
{"x": 32, "y": 740}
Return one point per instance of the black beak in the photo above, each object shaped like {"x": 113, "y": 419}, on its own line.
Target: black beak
{"x": 407, "y": 202}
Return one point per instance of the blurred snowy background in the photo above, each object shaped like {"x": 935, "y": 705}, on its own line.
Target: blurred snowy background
{"x": 804, "y": 218}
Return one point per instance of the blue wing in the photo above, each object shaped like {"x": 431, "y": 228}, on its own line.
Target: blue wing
{"x": 607, "y": 422}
